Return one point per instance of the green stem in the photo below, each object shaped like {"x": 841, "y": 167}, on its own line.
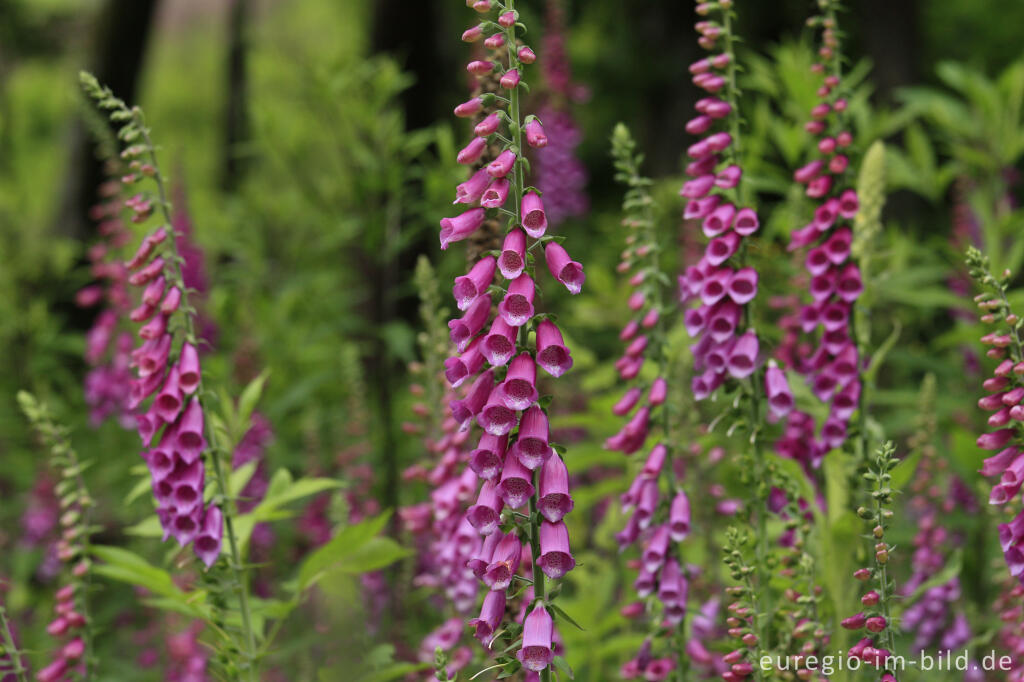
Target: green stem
{"x": 241, "y": 584}
{"x": 732, "y": 97}
{"x": 11, "y": 649}
{"x": 883, "y": 587}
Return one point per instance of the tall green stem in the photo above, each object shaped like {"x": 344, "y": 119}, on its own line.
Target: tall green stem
{"x": 11, "y": 649}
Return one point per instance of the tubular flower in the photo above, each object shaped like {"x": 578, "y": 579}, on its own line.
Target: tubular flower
{"x": 831, "y": 363}
{"x": 937, "y": 619}
{"x": 511, "y": 460}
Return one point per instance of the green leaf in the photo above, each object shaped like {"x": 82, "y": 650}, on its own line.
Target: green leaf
{"x": 560, "y": 612}
{"x": 799, "y": 476}
{"x": 288, "y": 491}
{"x": 247, "y": 401}
{"x": 149, "y": 527}
{"x": 141, "y": 487}
{"x": 562, "y": 665}
{"x": 948, "y": 572}
{"x": 394, "y": 671}
{"x": 240, "y": 477}
{"x": 904, "y": 471}
{"x": 125, "y": 566}
{"x": 878, "y": 357}
{"x": 353, "y": 549}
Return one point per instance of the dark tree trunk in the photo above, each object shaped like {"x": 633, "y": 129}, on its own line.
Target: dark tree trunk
{"x": 408, "y": 32}
{"x": 236, "y": 114}
{"x": 121, "y": 35}
{"x": 890, "y": 38}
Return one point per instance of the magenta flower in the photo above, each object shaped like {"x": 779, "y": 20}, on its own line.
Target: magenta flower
{"x": 563, "y": 268}
{"x": 474, "y": 283}
{"x": 536, "y": 652}
{"x": 555, "y": 501}
{"x": 555, "y": 557}
{"x": 491, "y": 613}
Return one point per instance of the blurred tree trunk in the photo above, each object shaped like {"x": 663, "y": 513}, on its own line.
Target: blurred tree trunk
{"x": 408, "y": 32}
{"x": 890, "y": 35}
{"x": 119, "y": 42}
{"x": 236, "y": 113}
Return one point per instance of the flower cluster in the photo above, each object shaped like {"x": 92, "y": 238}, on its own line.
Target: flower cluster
{"x": 658, "y": 521}
{"x": 1011, "y": 633}
{"x": 560, "y": 174}
{"x": 514, "y": 458}
{"x": 70, "y": 623}
{"x": 444, "y": 539}
{"x": 167, "y": 366}
{"x": 876, "y": 618}
{"x": 720, "y": 282}
{"x": 833, "y": 368}
{"x": 1005, "y": 400}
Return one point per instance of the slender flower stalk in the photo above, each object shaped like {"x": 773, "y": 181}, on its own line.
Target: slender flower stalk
{"x": 936, "y": 617}
{"x": 449, "y": 548}
{"x": 833, "y": 367}
{"x": 661, "y": 508}
{"x": 168, "y": 369}
{"x": 880, "y": 643}
{"x": 1005, "y": 400}
{"x": 72, "y": 622}
{"x": 520, "y": 465}
{"x": 727, "y": 355}
{"x": 11, "y": 662}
